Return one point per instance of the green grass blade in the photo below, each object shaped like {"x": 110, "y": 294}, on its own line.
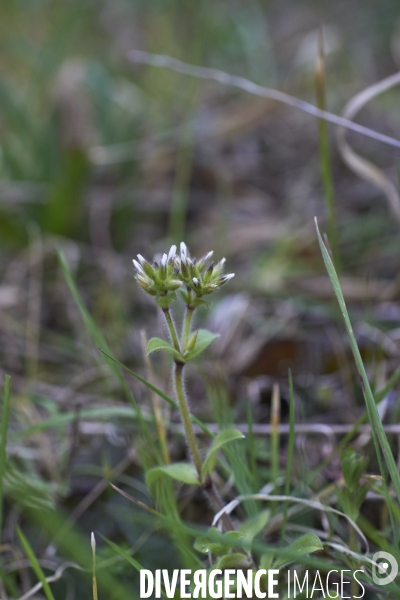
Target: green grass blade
{"x": 325, "y": 155}
{"x": 93, "y": 330}
{"x": 132, "y": 561}
{"x": 376, "y": 424}
{"x": 290, "y": 452}
{"x": 3, "y": 442}
{"x": 35, "y": 564}
{"x": 395, "y": 378}
{"x": 251, "y": 449}
{"x": 275, "y": 437}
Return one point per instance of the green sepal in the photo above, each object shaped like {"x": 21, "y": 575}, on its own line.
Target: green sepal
{"x": 165, "y": 301}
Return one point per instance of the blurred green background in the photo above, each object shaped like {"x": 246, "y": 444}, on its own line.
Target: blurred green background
{"x": 105, "y": 159}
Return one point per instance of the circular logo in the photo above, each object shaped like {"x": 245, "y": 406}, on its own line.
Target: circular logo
{"x": 386, "y": 568}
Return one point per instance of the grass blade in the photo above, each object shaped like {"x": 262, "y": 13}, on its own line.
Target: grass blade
{"x": 3, "y": 442}
{"x": 132, "y": 561}
{"x": 35, "y": 564}
{"x": 251, "y": 449}
{"x": 275, "y": 437}
{"x": 92, "y": 328}
{"x": 375, "y": 421}
{"x": 290, "y": 453}
{"x": 325, "y": 155}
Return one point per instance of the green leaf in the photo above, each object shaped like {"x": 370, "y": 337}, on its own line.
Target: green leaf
{"x": 218, "y": 544}
{"x": 236, "y": 560}
{"x": 204, "y": 339}
{"x": 306, "y": 544}
{"x": 253, "y": 526}
{"x": 353, "y": 466}
{"x": 204, "y": 545}
{"x": 224, "y": 437}
{"x": 158, "y": 344}
{"x": 266, "y": 561}
{"x": 183, "y": 472}
{"x": 233, "y": 538}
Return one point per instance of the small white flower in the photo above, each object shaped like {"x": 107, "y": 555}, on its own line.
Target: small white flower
{"x": 171, "y": 253}
{"x": 230, "y": 276}
{"x": 184, "y": 250}
{"x": 164, "y": 260}
{"x": 138, "y": 266}
{"x": 195, "y": 280}
{"x": 141, "y": 259}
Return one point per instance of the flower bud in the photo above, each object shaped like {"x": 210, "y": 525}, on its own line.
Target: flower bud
{"x": 192, "y": 341}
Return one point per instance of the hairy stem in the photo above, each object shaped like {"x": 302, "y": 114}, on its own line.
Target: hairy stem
{"x": 186, "y": 327}
{"x": 208, "y": 486}
{"x": 171, "y": 329}
{"x": 185, "y": 414}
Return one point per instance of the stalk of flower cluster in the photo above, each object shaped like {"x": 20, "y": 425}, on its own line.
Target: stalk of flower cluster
{"x": 171, "y": 329}
{"x": 208, "y": 485}
{"x": 185, "y": 415}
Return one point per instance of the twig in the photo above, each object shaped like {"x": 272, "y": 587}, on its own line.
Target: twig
{"x": 168, "y": 62}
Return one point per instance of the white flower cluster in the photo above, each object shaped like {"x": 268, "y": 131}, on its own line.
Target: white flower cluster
{"x": 176, "y": 270}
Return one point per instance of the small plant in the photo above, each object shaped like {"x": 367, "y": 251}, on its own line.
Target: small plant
{"x": 193, "y": 279}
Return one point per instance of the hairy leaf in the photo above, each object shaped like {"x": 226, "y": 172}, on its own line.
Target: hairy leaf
{"x": 183, "y": 472}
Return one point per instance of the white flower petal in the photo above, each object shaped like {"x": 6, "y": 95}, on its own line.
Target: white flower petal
{"x": 184, "y": 250}
{"x": 138, "y": 266}
{"x": 171, "y": 253}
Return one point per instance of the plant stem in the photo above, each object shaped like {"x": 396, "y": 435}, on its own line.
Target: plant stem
{"x": 186, "y": 327}
{"x": 208, "y": 485}
{"x": 185, "y": 414}
{"x": 171, "y": 329}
